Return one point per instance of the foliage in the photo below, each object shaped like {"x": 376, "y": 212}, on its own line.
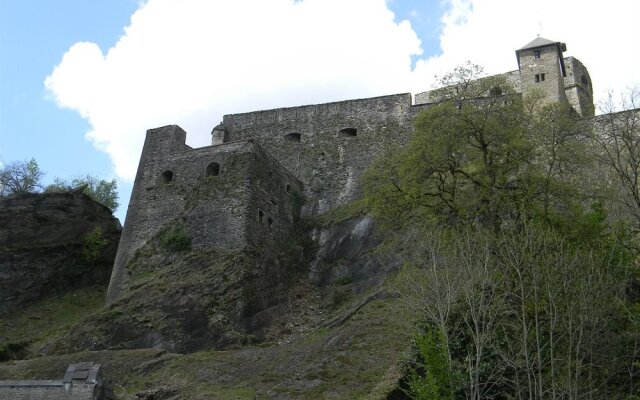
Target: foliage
{"x": 524, "y": 280}
{"x": 101, "y": 190}
{"x": 432, "y": 379}
{"x": 93, "y": 245}
{"x": 175, "y": 239}
{"x": 482, "y": 161}
{"x": 20, "y": 177}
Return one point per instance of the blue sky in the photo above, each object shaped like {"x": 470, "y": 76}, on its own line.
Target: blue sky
{"x": 81, "y": 80}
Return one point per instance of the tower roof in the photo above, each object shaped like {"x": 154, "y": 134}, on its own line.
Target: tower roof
{"x": 541, "y": 42}
{"x": 538, "y": 42}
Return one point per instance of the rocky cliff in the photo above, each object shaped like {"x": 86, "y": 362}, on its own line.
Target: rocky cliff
{"x": 43, "y": 243}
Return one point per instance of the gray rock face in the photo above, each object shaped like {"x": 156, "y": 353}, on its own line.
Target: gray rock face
{"x": 41, "y": 245}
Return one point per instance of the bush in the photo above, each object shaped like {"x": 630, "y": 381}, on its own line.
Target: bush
{"x": 176, "y": 239}
{"x": 93, "y": 245}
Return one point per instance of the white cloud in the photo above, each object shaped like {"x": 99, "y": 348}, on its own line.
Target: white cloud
{"x": 189, "y": 62}
{"x": 605, "y": 36}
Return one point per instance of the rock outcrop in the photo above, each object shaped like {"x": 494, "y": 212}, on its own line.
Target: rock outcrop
{"x": 42, "y": 238}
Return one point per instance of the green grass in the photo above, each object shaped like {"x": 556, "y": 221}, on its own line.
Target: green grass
{"x": 49, "y": 315}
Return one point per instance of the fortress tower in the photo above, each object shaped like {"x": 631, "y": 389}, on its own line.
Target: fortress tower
{"x": 542, "y": 69}
{"x": 265, "y": 167}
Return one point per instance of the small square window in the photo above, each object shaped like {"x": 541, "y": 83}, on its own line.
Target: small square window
{"x": 536, "y": 54}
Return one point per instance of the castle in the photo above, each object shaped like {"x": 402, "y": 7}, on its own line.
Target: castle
{"x": 266, "y": 168}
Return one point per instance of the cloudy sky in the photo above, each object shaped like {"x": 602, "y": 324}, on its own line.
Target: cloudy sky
{"x": 82, "y": 80}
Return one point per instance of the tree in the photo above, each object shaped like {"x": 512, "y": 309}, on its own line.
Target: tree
{"x": 101, "y": 190}
{"x": 618, "y": 148}
{"x": 20, "y": 177}
{"x": 468, "y": 159}
{"x": 523, "y": 286}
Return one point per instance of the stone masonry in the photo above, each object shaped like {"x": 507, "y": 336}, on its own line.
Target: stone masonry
{"x": 81, "y": 382}
{"x": 247, "y": 188}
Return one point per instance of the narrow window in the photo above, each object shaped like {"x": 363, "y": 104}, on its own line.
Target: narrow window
{"x": 541, "y": 77}
{"x": 348, "y": 132}
{"x": 293, "y": 137}
{"x": 537, "y": 78}
{"x": 213, "y": 169}
{"x": 287, "y": 188}
{"x": 536, "y": 54}
{"x": 269, "y": 222}
{"x": 167, "y": 177}
{"x": 260, "y": 216}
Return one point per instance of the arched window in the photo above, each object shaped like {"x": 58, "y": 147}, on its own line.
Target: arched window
{"x": 293, "y": 137}
{"x": 213, "y": 169}
{"x": 348, "y": 132}
{"x": 167, "y": 177}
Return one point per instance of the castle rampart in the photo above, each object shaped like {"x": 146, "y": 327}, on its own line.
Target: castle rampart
{"x": 245, "y": 189}
{"x": 328, "y": 146}
{"x": 81, "y": 382}
{"x": 228, "y": 196}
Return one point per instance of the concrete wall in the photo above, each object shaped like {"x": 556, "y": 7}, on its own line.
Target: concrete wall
{"x": 327, "y": 146}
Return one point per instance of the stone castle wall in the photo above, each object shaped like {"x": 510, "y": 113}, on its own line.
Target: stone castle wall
{"x": 265, "y": 160}
{"x": 81, "y": 382}
{"x": 217, "y": 193}
{"x": 328, "y": 146}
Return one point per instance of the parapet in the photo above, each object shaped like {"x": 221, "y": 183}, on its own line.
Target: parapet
{"x": 81, "y": 381}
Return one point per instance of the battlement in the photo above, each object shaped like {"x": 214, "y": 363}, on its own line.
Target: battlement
{"x": 228, "y": 196}
{"x": 81, "y": 381}
{"x": 240, "y": 191}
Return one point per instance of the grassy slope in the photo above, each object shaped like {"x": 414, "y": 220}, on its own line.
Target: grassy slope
{"x": 353, "y": 353}
{"x": 321, "y": 349}
{"x": 50, "y": 316}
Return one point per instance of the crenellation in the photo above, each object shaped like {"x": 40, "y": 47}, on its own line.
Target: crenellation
{"x": 247, "y": 188}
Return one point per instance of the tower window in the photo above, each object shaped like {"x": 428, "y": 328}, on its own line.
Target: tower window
{"x": 287, "y": 188}
{"x": 260, "y": 216}
{"x": 540, "y": 78}
{"x": 166, "y": 177}
{"x": 293, "y": 137}
{"x": 536, "y": 54}
{"x": 348, "y": 132}
{"x": 213, "y": 169}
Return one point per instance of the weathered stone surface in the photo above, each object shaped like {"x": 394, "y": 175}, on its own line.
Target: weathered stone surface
{"x": 81, "y": 382}
{"x": 41, "y": 242}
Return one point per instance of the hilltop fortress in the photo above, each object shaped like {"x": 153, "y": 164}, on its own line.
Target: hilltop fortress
{"x": 266, "y": 168}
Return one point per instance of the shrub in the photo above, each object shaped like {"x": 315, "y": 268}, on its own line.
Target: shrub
{"x": 93, "y": 245}
{"x": 176, "y": 239}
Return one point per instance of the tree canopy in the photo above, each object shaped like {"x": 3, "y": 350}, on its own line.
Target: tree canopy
{"x": 520, "y": 263}
{"x": 26, "y": 177}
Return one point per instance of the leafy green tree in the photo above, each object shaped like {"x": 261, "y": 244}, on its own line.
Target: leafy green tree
{"x": 20, "y": 177}
{"x": 431, "y": 379}
{"x": 101, "y": 190}
{"x": 93, "y": 245}
{"x": 527, "y": 284}
{"x": 467, "y": 161}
